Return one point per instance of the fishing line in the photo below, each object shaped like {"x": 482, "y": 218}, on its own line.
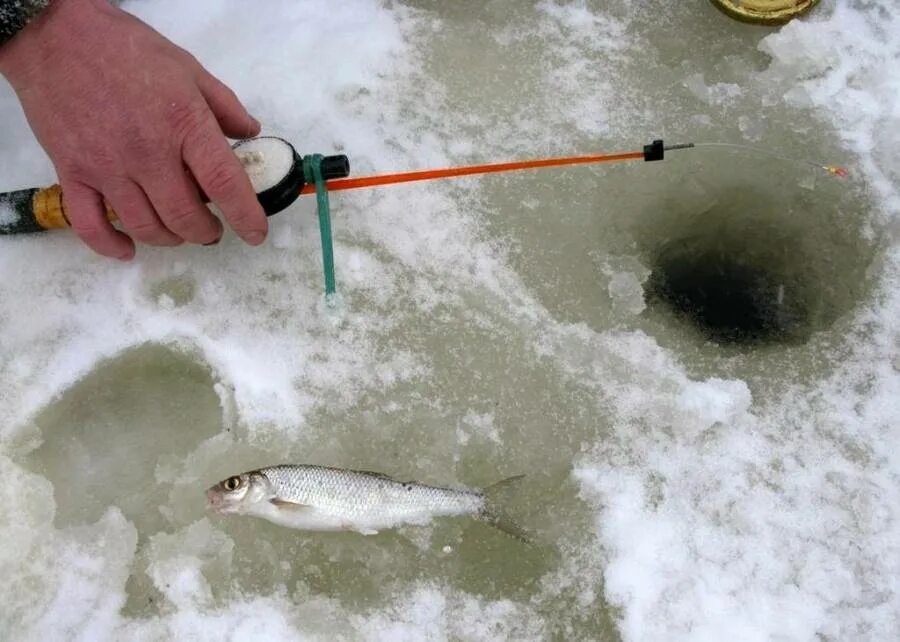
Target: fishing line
{"x": 834, "y": 170}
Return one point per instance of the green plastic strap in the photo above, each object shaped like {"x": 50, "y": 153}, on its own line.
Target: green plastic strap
{"x": 312, "y": 173}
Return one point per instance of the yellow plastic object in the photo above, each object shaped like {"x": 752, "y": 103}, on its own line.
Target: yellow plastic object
{"x": 765, "y": 12}
{"x": 49, "y": 210}
{"x": 47, "y": 206}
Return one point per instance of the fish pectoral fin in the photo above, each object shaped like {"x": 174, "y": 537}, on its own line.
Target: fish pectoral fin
{"x": 284, "y": 504}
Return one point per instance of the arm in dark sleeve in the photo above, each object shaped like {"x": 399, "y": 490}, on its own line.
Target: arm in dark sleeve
{"x": 15, "y": 14}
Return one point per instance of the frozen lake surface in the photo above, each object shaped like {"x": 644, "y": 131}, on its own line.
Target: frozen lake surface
{"x": 696, "y": 362}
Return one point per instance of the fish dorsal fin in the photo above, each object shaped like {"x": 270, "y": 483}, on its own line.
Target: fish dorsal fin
{"x": 371, "y": 473}
{"x": 283, "y": 503}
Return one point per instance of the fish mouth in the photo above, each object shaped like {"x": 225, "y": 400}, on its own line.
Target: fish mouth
{"x": 222, "y": 510}
{"x": 217, "y": 503}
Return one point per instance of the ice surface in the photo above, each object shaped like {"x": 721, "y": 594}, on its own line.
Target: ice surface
{"x": 487, "y": 327}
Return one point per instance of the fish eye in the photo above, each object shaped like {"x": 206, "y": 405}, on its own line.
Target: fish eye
{"x": 232, "y": 483}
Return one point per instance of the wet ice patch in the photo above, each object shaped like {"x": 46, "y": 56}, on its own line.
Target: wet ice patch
{"x": 59, "y": 583}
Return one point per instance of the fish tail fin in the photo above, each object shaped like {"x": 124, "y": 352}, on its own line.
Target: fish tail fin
{"x": 493, "y": 512}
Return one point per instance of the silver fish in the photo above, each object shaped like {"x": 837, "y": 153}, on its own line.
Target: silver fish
{"x": 318, "y": 498}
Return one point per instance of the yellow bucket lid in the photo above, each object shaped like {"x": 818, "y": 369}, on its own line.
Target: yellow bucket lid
{"x": 766, "y": 12}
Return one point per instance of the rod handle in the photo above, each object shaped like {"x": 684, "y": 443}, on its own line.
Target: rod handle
{"x": 35, "y": 210}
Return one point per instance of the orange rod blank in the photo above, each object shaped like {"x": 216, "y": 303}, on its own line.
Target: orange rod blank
{"x": 450, "y": 172}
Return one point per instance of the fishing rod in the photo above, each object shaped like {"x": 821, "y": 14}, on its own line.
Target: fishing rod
{"x": 276, "y": 171}
{"x": 279, "y": 176}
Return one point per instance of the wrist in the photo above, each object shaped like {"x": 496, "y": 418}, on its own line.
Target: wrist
{"x": 53, "y": 30}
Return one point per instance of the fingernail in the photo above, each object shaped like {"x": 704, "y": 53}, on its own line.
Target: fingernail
{"x": 254, "y": 238}
{"x": 216, "y": 242}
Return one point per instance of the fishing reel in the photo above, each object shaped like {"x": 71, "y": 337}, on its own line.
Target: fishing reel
{"x": 276, "y": 171}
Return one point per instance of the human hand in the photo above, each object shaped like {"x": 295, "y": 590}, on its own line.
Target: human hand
{"x": 131, "y": 119}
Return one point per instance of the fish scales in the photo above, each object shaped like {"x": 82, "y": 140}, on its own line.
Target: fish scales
{"x": 359, "y": 494}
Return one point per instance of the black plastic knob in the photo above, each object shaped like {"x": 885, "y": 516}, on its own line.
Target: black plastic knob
{"x": 335, "y": 167}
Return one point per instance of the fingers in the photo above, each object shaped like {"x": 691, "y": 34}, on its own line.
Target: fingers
{"x": 87, "y": 215}
{"x": 137, "y": 215}
{"x": 176, "y": 200}
{"x": 159, "y": 200}
{"x": 234, "y": 120}
{"x": 223, "y": 179}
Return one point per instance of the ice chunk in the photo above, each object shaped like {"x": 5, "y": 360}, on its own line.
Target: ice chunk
{"x": 715, "y": 401}
{"x": 627, "y": 292}
{"x": 696, "y": 84}
{"x": 184, "y": 564}
{"x": 626, "y": 280}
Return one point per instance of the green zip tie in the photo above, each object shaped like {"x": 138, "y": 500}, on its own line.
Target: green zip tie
{"x": 312, "y": 173}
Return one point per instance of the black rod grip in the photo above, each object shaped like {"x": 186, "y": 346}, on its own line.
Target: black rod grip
{"x": 17, "y": 212}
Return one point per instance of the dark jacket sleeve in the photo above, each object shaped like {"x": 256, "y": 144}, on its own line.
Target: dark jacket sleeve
{"x": 15, "y": 14}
